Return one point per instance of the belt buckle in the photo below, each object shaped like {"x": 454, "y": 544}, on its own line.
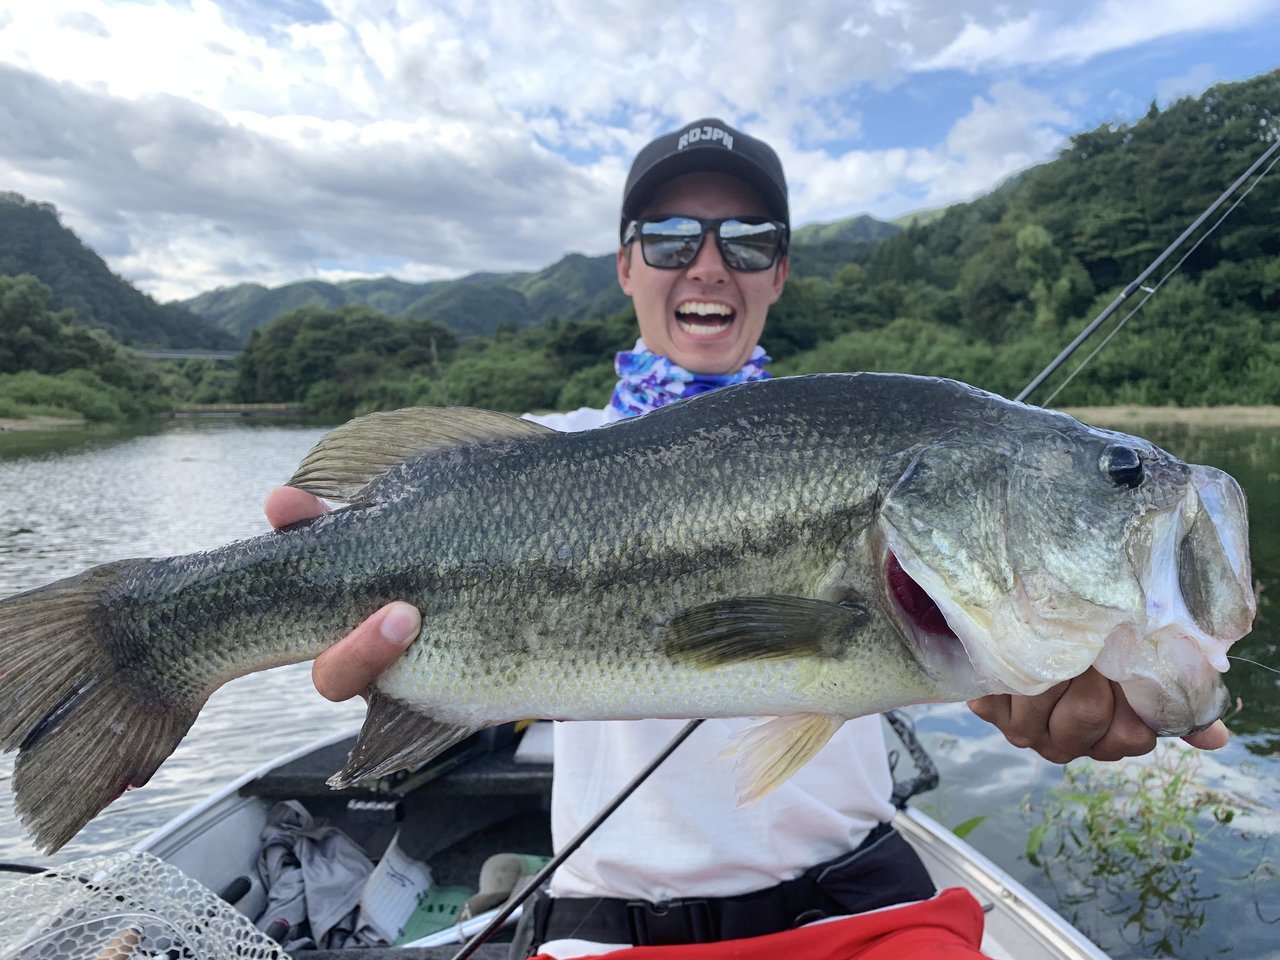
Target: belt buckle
{"x": 670, "y": 922}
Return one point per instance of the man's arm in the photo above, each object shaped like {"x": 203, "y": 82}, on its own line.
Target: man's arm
{"x": 1084, "y": 717}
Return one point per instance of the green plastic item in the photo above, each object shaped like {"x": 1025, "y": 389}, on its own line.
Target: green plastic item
{"x": 435, "y": 911}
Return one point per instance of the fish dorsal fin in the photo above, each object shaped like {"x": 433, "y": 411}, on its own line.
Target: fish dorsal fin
{"x": 350, "y": 457}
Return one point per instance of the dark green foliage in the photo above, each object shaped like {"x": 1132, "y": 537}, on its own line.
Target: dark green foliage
{"x": 33, "y": 241}
{"x": 351, "y": 360}
{"x": 50, "y": 367}
{"x": 331, "y": 360}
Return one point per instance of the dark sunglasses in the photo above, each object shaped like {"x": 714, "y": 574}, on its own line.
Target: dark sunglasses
{"x": 672, "y": 243}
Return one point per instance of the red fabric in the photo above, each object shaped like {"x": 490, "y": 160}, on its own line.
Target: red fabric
{"x": 948, "y": 927}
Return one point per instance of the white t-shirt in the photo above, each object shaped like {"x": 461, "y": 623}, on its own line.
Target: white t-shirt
{"x": 682, "y": 833}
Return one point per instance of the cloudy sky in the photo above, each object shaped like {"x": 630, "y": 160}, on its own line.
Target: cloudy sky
{"x": 205, "y": 143}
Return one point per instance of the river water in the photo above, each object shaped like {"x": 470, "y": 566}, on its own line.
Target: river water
{"x": 1191, "y": 871}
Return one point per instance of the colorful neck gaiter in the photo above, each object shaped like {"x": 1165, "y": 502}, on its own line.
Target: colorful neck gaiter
{"x": 648, "y": 380}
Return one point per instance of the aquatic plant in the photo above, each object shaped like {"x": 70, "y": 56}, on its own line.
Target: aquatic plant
{"x": 1120, "y": 838}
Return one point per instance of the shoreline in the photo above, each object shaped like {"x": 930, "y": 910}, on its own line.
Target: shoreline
{"x": 1117, "y": 416}
{"x": 1227, "y": 416}
{"x": 8, "y": 424}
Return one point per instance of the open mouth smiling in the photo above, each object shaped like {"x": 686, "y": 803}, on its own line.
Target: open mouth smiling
{"x": 700, "y": 318}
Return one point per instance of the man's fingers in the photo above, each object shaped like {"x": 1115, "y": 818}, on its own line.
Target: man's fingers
{"x": 1081, "y": 717}
{"x": 1063, "y": 723}
{"x": 1213, "y": 737}
{"x": 1126, "y": 736}
{"x": 286, "y": 505}
{"x": 348, "y": 668}
{"x": 1085, "y": 717}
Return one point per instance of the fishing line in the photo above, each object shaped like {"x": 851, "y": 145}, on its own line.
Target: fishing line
{"x": 1254, "y": 662}
{"x": 1151, "y": 291}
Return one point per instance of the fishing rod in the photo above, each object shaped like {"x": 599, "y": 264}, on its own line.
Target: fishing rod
{"x": 1137, "y": 283}
{"x": 581, "y": 837}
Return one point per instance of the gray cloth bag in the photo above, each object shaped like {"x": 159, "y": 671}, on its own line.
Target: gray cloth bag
{"x": 312, "y": 873}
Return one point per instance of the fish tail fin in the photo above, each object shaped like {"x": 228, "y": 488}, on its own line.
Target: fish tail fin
{"x": 83, "y": 730}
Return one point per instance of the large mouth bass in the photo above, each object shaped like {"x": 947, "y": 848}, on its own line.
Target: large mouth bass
{"x": 809, "y": 549}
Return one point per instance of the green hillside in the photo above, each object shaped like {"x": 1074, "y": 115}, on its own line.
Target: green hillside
{"x": 34, "y": 242}
{"x": 576, "y": 287}
{"x": 860, "y": 229}
{"x": 473, "y": 306}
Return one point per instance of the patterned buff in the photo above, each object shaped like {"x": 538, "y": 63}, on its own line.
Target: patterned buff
{"x": 648, "y": 380}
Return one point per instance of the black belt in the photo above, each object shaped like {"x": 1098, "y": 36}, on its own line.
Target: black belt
{"x": 882, "y": 871}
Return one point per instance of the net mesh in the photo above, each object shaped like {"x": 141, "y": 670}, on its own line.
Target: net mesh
{"x": 124, "y": 907}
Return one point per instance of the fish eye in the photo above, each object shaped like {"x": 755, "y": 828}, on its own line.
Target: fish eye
{"x": 1122, "y": 465}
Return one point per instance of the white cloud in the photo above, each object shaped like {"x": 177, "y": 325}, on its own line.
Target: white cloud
{"x": 1011, "y": 128}
{"x": 1040, "y": 38}
{"x": 212, "y": 141}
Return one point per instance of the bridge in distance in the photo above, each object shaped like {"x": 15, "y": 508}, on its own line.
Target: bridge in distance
{"x": 225, "y": 356}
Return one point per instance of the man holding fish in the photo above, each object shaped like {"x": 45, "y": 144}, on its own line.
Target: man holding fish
{"x": 703, "y": 255}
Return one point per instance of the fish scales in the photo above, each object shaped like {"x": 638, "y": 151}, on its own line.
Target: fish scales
{"x": 821, "y": 546}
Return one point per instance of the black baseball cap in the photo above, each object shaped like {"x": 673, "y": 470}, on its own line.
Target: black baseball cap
{"x": 709, "y": 144}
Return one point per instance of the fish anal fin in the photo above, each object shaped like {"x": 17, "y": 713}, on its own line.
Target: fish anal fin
{"x": 349, "y": 458}
{"x": 743, "y": 629}
{"x": 396, "y": 737}
{"x": 771, "y": 751}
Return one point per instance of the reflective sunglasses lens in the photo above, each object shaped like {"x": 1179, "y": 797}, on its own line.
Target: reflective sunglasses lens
{"x": 748, "y": 246}
{"x": 671, "y": 243}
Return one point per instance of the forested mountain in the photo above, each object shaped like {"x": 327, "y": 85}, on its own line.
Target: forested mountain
{"x": 987, "y": 292}
{"x": 576, "y": 288}
{"x": 33, "y": 241}
{"x": 990, "y": 290}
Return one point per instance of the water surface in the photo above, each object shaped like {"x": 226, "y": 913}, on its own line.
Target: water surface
{"x": 75, "y": 498}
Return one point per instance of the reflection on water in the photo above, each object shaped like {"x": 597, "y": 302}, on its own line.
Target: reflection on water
{"x": 77, "y": 498}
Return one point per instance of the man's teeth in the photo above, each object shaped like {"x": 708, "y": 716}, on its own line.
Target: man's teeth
{"x": 703, "y": 319}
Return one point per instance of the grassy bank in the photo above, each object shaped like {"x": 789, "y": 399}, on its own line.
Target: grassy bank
{"x": 1122, "y": 417}
{"x": 1117, "y": 417}
{"x": 38, "y": 423}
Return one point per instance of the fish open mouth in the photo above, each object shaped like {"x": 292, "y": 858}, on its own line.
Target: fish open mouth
{"x": 937, "y": 647}
{"x": 915, "y": 604}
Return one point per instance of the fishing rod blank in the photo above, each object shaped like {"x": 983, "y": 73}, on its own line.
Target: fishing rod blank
{"x": 532, "y": 886}
{"x": 1128, "y": 291}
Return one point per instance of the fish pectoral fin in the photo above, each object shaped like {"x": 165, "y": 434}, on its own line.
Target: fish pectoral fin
{"x": 770, "y": 752}
{"x": 349, "y": 458}
{"x": 742, "y": 629}
{"x": 395, "y": 737}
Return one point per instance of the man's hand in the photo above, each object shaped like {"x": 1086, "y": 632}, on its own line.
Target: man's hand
{"x": 1085, "y": 717}
{"x": 348, "y": 667}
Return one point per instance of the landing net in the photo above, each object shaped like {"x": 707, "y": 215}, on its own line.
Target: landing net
{"x": 128, "y": 906}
